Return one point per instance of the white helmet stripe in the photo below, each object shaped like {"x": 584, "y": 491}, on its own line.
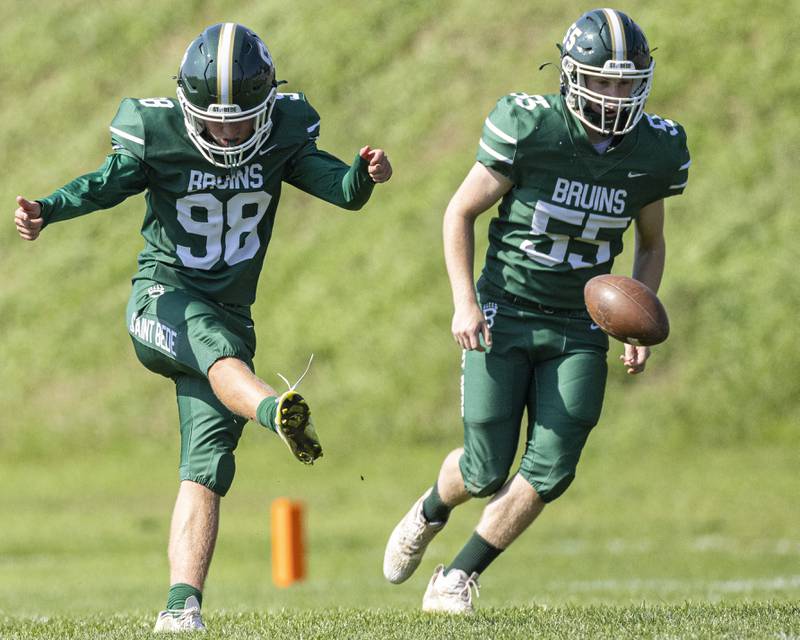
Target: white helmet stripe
{"x": 225, "y": 63}
{"x": 617, "y": 34}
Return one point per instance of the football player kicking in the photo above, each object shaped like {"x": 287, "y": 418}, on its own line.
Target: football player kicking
{"x": 212, "y": 163}
{"x": 571, "y": 171}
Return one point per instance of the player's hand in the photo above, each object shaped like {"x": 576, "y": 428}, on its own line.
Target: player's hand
{"x": 379, "y": 167}
{"x": 635, "y": 358}
{"x": 28, "y": 218}
{"x": 469, "y": 324}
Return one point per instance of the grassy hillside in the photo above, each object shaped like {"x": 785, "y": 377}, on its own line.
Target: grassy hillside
{"x": 395, "y": 78}
{"x": 702, "y": 450}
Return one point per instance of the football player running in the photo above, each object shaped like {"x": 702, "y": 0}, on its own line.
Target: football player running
{"x": 212, "y": 163}
{"x": 572, "y": 171}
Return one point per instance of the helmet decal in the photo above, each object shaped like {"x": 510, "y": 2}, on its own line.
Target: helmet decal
{"x": 617, "y": 33}
{"x": 225, "y": 62}
{"x": 262, "y": 49}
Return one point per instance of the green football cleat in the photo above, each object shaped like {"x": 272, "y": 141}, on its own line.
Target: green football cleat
{"x": 294, "y": 426}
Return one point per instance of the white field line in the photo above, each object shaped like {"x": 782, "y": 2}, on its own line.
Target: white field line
{"x": 699, "y": 544}
{"x": 742, "y": 585}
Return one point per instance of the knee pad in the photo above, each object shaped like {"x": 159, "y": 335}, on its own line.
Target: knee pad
{"x": 550, "y": 481}
{"x": 483, "y": 478}
{"x": 153, "y": 360}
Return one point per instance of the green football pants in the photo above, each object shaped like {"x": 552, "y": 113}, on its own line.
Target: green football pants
{"x": 550, "y": 362}
{"x": 179, "y": 335}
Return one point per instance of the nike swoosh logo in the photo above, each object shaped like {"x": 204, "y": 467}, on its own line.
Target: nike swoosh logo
{"x": 267, "y": 150}
{"x": 633, "y": 174}
{"x": 594, "y": 327}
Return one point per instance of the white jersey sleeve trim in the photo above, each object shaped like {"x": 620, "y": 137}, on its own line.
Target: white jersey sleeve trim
{"x": 494, "y": 153}
{"x": 313, "y": 126}
{"x": 500, "y": 134}
{"x": 685, "y": 166}
{"x": 127, "y": 136}
{"x": 678, "y": 186}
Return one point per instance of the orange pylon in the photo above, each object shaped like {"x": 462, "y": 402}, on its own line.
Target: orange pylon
{"x": 288, "y": 548}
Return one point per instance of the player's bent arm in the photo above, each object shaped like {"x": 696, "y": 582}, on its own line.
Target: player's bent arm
{"x": 648, "y": 267}
{"x": 650, "y": 248}
{"x": 119, "y": 177}
{"x": 326, "y": 177}
{"x": 481, "y": 189}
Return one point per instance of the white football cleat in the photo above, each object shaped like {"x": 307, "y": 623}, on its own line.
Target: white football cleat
{"x": 408, "y": 542}
{"x": 181, "y": 620}
{"x": 451, "y": 593}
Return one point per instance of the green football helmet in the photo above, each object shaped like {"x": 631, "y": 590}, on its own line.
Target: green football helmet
{"x": 604, "y": 43}
{"x": 227, "y": 75}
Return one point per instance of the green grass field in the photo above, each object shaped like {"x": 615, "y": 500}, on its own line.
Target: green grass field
{"x": 772, "y": 620}
{"x": 683, "y": 520}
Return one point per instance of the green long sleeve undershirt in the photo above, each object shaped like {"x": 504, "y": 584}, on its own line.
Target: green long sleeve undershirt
{"x": 121, "y": 176}
{"x": 326, "y": 177}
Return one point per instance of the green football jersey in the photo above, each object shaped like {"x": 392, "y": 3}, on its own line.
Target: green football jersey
{"x": 207, "y": 228}
{"x": 562, "y": 221}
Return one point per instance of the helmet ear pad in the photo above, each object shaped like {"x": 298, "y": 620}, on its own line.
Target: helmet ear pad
{"x": 227, "y": 75}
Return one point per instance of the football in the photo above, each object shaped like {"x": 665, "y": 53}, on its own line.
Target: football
{"x": 626, "y": 309}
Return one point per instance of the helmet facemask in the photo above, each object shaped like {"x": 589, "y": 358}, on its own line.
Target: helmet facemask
{"x": 227, "y": 76}
{"x": 613, "y": 116}
{"x": 217, "y": 154}
{"x": 605, "y": 44}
